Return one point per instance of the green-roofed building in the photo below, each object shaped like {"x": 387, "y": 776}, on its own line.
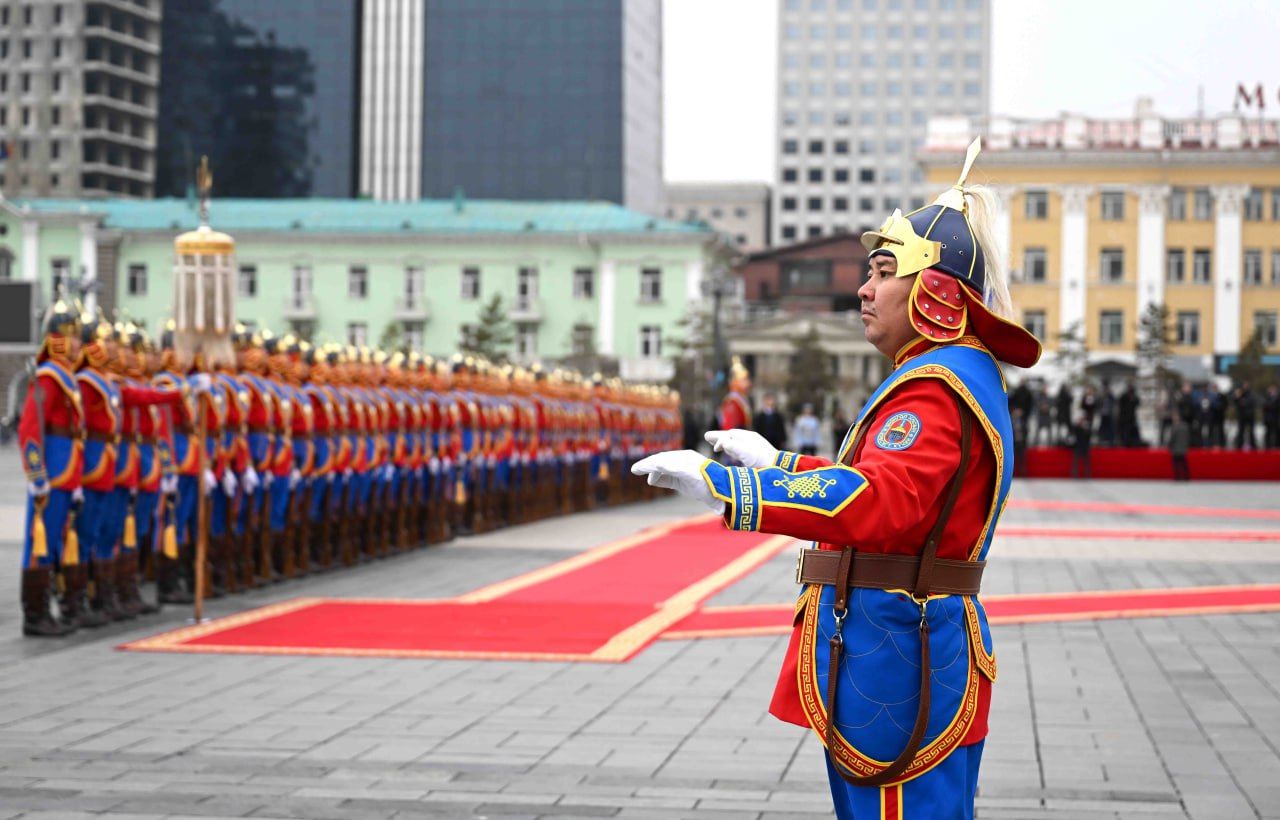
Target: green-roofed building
{"x": 347, "y": 270}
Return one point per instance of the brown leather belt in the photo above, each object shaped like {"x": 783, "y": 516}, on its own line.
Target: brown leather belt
{"x": 149, "y": 441}
{"x": 878, "y": 571}
{"x": 65, "y": 432}
{"x": 261, "y": 428}
{"x": 94, "y": 435}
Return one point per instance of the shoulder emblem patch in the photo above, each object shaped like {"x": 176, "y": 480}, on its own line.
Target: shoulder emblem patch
{"x": 899, "y": 431}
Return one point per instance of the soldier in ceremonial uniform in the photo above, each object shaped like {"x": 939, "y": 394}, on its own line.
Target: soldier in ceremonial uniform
{"x": 251, "y": 360}
{"x": 735, "y": 407}
{"x": 891, "y": 662}
{"x": 50, "y": 433}
{"x": 106, "y": 401}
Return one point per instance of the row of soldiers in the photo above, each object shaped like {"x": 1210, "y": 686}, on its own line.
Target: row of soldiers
{"x": 292, "y": 459}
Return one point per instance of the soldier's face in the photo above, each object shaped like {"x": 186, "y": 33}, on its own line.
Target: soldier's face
{"x": 884, "y": 305}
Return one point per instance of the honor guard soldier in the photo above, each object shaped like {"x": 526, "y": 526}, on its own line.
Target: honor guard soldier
{"x": 50, "y": 433}
{"x": 735, "y": 407}
{"x": 175, "y": 580}
{"x": 294, "y": 374}
{"x": 283, "y": 479}
{"x": 251, "y": 361}
{"x": 902, "y": 521}
{"x": 106, "y": 400}
{"x": 318, "y": 391}
{"x": 139, "y": 493}
{"x": 233, "y": 457}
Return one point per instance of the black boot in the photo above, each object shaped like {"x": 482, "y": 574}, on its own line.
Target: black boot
{"x": 105, "y": 599}
{"x": 75, "y": 598}
{"x": 37, "y": 619}
{"x": 127, "y": 595}
{"x": 168, "y": 584}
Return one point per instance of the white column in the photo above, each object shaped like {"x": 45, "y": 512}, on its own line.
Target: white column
{"x": 1075, "y": 228}
{"x": 1152, "y": 203}
{"x": 608, "y": 297}
{"x": 1226, "y": 267}
{"x": 1001, "y": 220}
{"x": 89, "y": 261}
{"x": 31, "y": 252}
{"x": 693, "y": 275}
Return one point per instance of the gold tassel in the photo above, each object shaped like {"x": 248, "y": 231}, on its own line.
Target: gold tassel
{"x": 460, "y": 492}
{"x": 39, "y": 538}
{"x": 171, "y": 542}
{"x": 130, "y": 532}
{"x": 71, "y": 547}
{"x": 603, "y": 473}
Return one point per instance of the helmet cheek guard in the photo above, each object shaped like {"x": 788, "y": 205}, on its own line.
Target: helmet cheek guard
{"x": 938, "y": 308}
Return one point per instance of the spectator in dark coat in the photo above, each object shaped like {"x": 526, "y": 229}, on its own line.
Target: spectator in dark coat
{"x": 1063, "y": 401}
{"x": 1271, "y": 417}
{"x": 1044, "y": 416}
{"x": 1081, "y": 448}
{"x": 1215, "y": 406}
{"x": 769, "y": 423}
{"x": 1246, "y": 406}
{"x": 1128, "y": 416}
{"x": 1189, "y": 411}
{"x": 839, "y": 428}
{"x": 1179, "y": 444}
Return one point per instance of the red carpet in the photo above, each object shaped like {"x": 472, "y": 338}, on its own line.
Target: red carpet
{"x": 1133, "y": 462}
{"x": 603, "y": 605}
{"x": 775, "y": 619}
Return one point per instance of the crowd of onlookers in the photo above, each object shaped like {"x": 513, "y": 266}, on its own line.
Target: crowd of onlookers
{"x": 1187, "y": 416}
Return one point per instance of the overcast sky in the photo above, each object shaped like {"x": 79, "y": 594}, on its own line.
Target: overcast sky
{"x": 1091, "y": 56}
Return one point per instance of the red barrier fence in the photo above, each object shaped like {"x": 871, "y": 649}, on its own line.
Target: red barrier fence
{"x": 1134, "y": 462}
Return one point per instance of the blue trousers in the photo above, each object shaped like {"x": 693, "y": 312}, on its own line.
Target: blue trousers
{"x": 279, "y": 503}
{"x": 188, "y": 492}
{"x": 57, "y": 507}
{"x": 945, "y": 792}
{"x": 145, "y": 517}
{"x": 94, "y": 524}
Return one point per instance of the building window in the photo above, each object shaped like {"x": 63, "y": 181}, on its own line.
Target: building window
{"x": 1264, "y": 324}
{"x": 1201, "y": 266}
{"x": 842, "y": 175}
{"x": 584, "y": 283}
{"x": 814, "y": 231}
{"x": 814, "y": 203}
{"x": 1177, "y": 205}
{"x": 1111, "y": 327}
{"x": 1035, "y": 265}
{"x": 413, "y": 335}
{"x": 301, "y": 285}
{"x": 1035, "y": 205}
{"x": 1253, "y": 266}
{"x": 806, "y": 274}
{"x": 357, "y": 282}
{"x": 1113, "y": 206}
{"x": 413, "y": 285}
{"x": 1253, "y": 205}
{"x": 790, "y": 146}
{"x": 788, "y": 231}
{"x": 816, "y": 147}
{"x": 840, "y": 203}
{"x": 470, "y": 283}
{"x": 1112, "y": 267}
{"x": 788, "y": 203}
{"x": 137, "y": 282}
{"x": 1275, "y": 204}
{"x": 582, "y": 339}
{"x": 1187, "y": 327}
{"x": 1275, "y": 266}
{"x": 1175, "y": 266}
{"x": 526, "y": 288}
{"x": 650, "y": 341}
{"x": 247, "y": 282}
{"x": 1034, "y": 321}
{"x": 651, "y": 285}
{"x": 60, "y": 270}
{"x": 526, "y": 339}
{"x": 789, "y": 175}
{"x": 815, "y": 175}
{"x": 866, "y": 175}
{"x": 1203, "y": 205}
{"x": 357, "y": 333}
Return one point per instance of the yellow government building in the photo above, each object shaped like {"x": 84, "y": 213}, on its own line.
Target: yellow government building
{"x": 1105, "y": 217}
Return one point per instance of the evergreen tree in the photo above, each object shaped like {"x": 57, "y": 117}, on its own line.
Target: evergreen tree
{"x": 492, "y": 334}
{"x": 1072, "y": 357}
{"x": 391, "y": 336}
{"x": 693, "y": 353}
{"x": 811, "y": 380}
{"x": 1154, "y": 345}
{"x": 1249, "y": 367}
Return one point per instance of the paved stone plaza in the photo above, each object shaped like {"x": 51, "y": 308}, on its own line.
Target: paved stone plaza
{"x": 1158, "y": 717}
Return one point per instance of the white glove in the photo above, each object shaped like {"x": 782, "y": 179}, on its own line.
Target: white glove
{"x": 210, "y": 481}
{"x": 169, "y": 485}
{"x": 229, "y": 484}
{"x": 434, "y": 465}
{"x": 250, "y": 480}
{"x": 679, "y": 470}
{"x": 77, "y": 495}
{"x": 747, "y": 447}
{"x": 295, "y": 478}
{"x": 446, "y": 463}
{"x": 38, "y": 489}
{"x": 201, "y": 382}
{"x": 347, "y": 473}
{"x": 267, "y": 479}
{"x": 388, "y": 472}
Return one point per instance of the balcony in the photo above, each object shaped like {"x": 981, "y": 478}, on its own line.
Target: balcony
{"x": 413, "y": 309}
{"x": 526, "y": 309}
{"x": 299, "y": 306}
